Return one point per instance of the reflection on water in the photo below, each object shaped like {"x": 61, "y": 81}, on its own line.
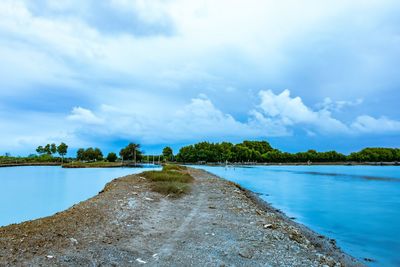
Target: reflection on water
{"x": 359, "y": 206}
{"x": 28, "y": 193}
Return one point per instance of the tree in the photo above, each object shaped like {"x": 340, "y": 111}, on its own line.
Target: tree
{"x": 112, "y": 157}
{"x": 80, "y": 154}
{"x": 168, "y": 153}
{"x": 62, "y": 150}
{"x": 90, "y": 154}
{"x": 40, "y": 150}
{"x": 47, "y": 149}
{"x": 97, "y": 154}
{"x": 53, "y": 148}
{"x": 131, "y": 152}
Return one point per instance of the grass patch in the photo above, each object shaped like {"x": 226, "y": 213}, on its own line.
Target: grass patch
{"x": 173, "y": 167}
{"x": 173, "y": 180}
{"x": 170, "y": 188}
{"x": 168, "y": 176}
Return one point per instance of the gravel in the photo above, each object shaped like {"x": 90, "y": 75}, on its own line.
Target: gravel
{"x": 217, "y": 224}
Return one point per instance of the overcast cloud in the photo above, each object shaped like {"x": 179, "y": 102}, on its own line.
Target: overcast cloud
{"x": 176, "y": 72}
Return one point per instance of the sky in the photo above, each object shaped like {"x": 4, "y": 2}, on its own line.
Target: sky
{"x": 300, "y": 74}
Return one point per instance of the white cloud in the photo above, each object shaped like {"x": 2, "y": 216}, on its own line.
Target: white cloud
{"x": 289, "y": 111}
{"x": 83, "y": 115}
{"x": 368, "y": 124}
{"x": 331, "y": 105}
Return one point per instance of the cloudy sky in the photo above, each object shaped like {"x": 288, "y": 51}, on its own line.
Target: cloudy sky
{"x": 301, "y": 74}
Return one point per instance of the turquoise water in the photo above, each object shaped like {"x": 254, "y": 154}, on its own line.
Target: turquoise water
{"x": 358, "y": 206}
{"x": 28, "y": 193}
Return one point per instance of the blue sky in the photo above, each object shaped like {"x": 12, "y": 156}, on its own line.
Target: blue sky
{"x": 301, "y": 74}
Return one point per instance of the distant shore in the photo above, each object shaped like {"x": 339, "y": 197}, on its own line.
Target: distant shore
{"x": 217, "y": 223}
{"x": 30, "y": 164}
{"x": 298, "y": 164}
{"x": 77, "y": 165}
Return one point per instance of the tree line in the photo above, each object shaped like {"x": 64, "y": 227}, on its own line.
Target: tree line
{"x": 247, "y": 151}
{"x": 131, "y": 152}
{"x": 51, "y": 149}
{"x": 263, "y": 152}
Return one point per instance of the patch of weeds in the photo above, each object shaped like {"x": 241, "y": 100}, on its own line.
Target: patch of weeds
{"x": 170, "y": 188}
{"x": 174, "y": 167}
{"x": 173, "y": 180}
{"x": 168, "y": 176}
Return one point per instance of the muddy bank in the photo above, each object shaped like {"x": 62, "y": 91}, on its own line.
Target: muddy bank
{"x": 216, "y": 224}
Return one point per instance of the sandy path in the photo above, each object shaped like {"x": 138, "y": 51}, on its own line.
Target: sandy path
{"x": 217, "y": 224}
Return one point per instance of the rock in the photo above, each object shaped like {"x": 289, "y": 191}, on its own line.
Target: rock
{"x": 245, "y": 253}
{"x": 141, "y": 261}
{"x": 73, "y": 241}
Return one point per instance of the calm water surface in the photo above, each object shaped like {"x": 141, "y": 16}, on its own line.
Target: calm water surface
{"x": 28, "y": 193}
{"x": 359, "y": 206}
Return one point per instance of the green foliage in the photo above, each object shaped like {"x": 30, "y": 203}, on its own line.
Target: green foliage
{"x": 89, "y": 154}
{"x": 261, "y": 151}
{"x": 31, "y": 159}
{"x": 112, "y": 157}
{"x": 131, "y": 152}
{"x": 168, "y": 153}
{"x": 377, "y": 154}
{"x": 221, "y": 152}
{"x": 62, "y": 150}
{"x": 51, "y": 149}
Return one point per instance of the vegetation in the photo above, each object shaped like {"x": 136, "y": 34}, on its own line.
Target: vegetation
{"x": 89, "y": 154}
{"x": 173, "y": 180}
{"x": 168, "y": 154}
{"x": 51, "y": 149}
{"x": 262, "y": 152}
{"x": 376, "y": 155}
{"x": 131, "y": 152}
{"x": 62, "y": 150}
{"x": 112, "y": 157}
{"x": 8, "y": 159}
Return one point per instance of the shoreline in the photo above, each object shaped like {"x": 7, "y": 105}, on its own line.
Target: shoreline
{"x": 5, "y": 165}
{"x": 298, "y": 164}
{"x": 165, "y": 231}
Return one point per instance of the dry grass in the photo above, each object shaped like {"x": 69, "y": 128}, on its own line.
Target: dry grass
{"x": 173, "y": 180}
{"x": 170, "y": 188}
{"x": 174, "y": 167}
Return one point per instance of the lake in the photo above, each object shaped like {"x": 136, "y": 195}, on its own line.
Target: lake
{"x": 358, "y": 206}
{"x": 28, "y": 193}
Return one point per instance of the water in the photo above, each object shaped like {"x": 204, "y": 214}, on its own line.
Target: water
{"x": 358, "y": 206}
{"x": 28, "y": 193}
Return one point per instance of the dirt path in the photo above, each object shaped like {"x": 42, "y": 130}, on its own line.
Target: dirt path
{"x": 217, "y": 224}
